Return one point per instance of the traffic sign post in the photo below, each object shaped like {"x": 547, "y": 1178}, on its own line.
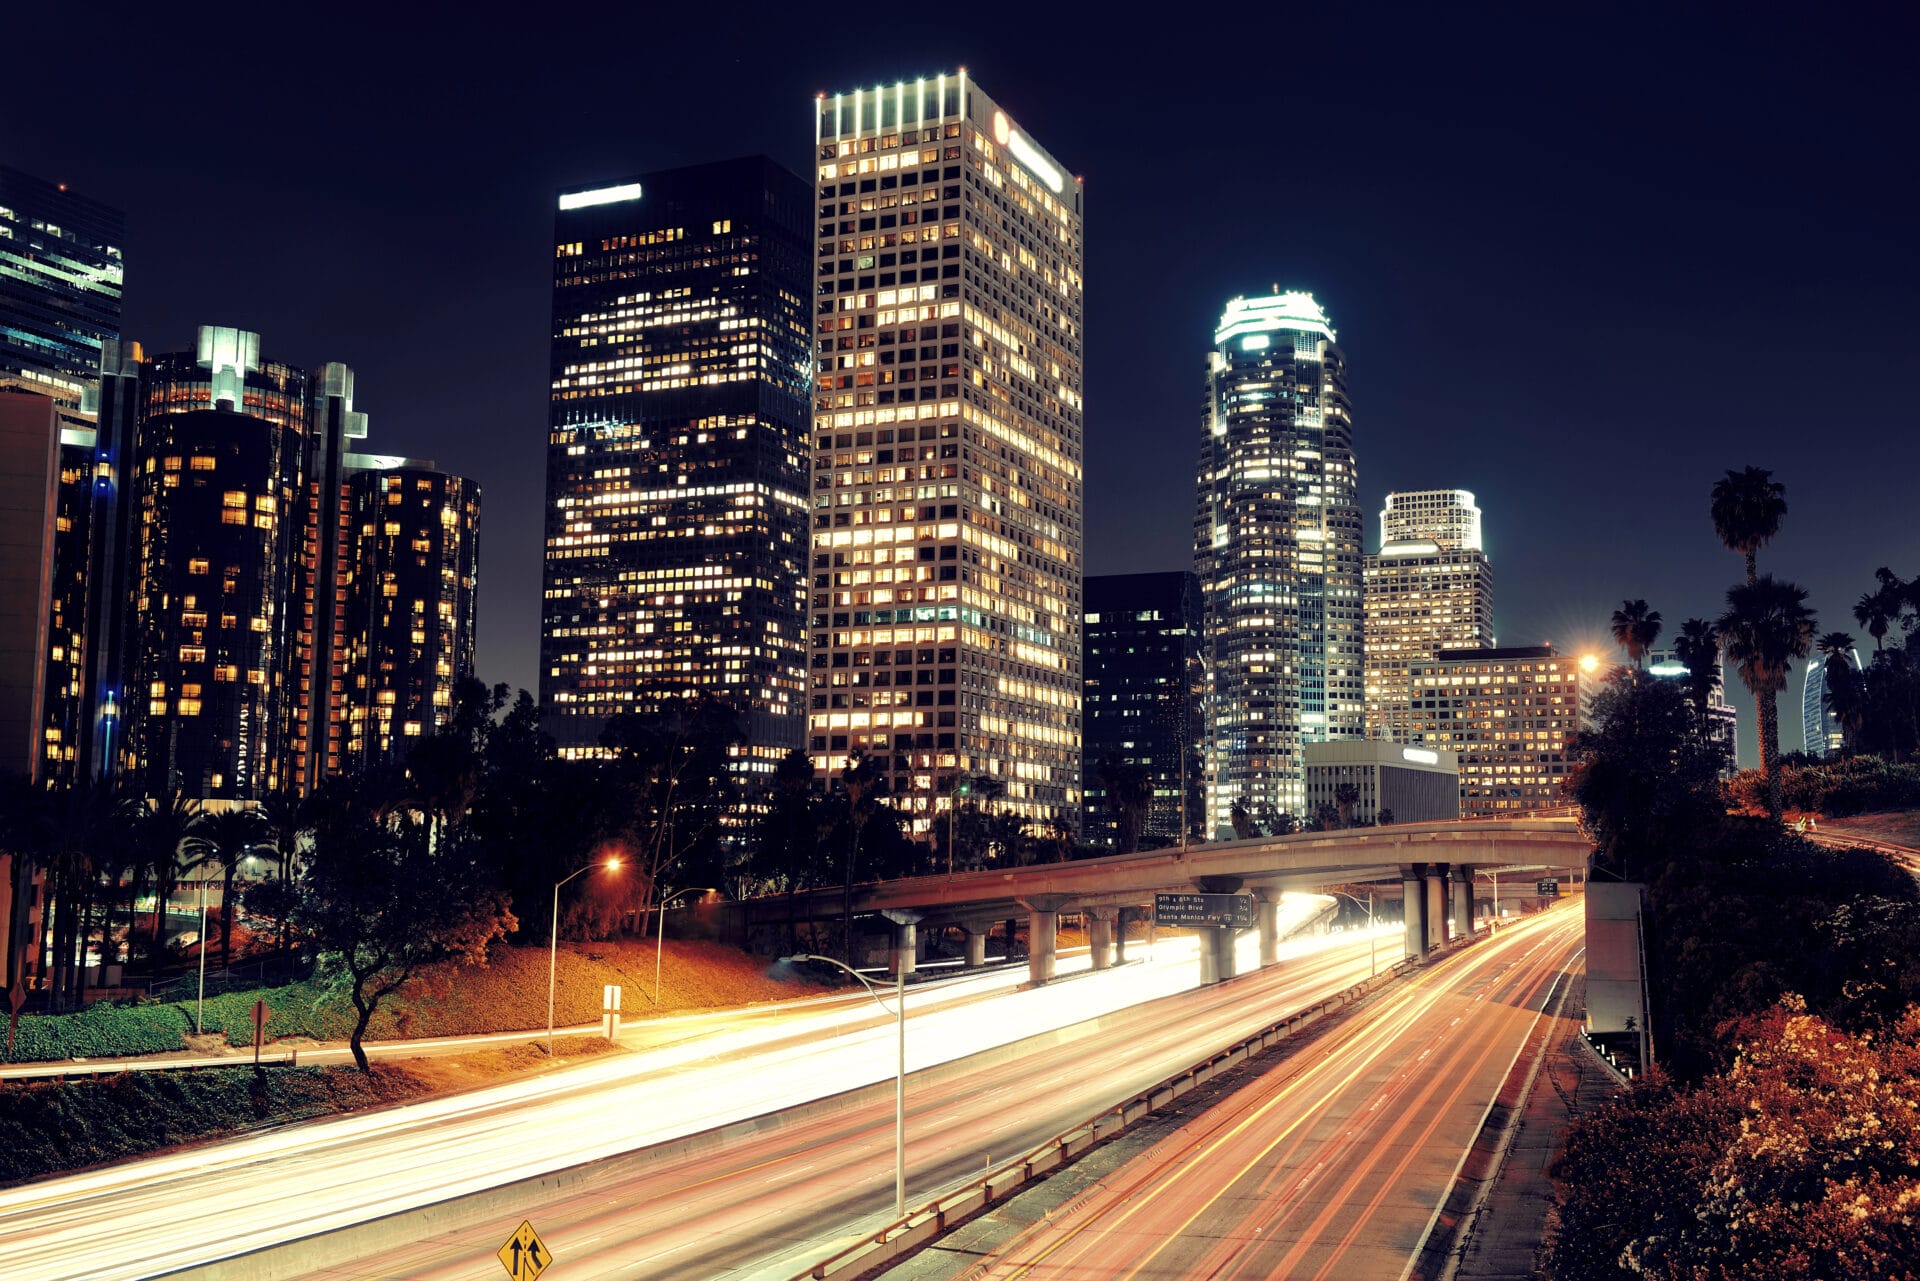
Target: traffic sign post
{"x": 1547, "y": 888}
{"x": 1229, "y": 911}
{"x": 525, "y": 1255}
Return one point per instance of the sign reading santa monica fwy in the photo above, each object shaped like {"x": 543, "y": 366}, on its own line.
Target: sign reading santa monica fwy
{"x": 1234, "y": 911}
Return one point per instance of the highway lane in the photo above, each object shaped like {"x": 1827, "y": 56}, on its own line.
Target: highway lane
{"x": 1332, "y": 1164}
{"x": 149, "y": 1217}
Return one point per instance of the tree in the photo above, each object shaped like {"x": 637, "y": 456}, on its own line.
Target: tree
{"x": 282, "y": 819}
{"x": 1242, "y": 819}
{"x": 1747, "y": 507}
{"x": 1384, "y": 818}
{"x": 222, "y": 840}
{"x": 1698, "y": 649}
{"x": 861, "y": 782}
{"x": 1767, "y": 625}
{"x": 1846, "y": 687}
{"x": 1129, "y": 794}
{"x": 1635, "y": 629}
{"x": 380, "y": 903}
{"x": 1345, "y": 797}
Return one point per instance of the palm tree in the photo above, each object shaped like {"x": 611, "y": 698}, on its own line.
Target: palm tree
{"x": 1747, "y": 509}
{"x": 1345, "y": 797}
{"x": 224, "y": 839}
{"x": 1846, "y": 688}
{"x": 283, "y": 816}
{"x": 161, "y": 825}
{"x": 1129, "y": 790}
{"x": 861, "y": 780}
{"x": 1767, "y": 625}
{"x": 1698, "y": 649}
{"x": 1878, "y": 610}
{"x": 1635, "y": 629}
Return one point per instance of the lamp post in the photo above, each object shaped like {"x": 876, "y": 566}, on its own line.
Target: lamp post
{"x": 1494, "y": 876}
{"x": 960, "y": 788}
{"x": 660, "y": 932}
{"x": 900, "y": 1068}
{"x": 553, "y": 941}
{"x": 200, "y": 1002}
{"x": 1373, "y": 943}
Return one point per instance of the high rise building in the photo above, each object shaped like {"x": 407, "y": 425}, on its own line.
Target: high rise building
{"x": 1142, "y": 702}
{"x": 1509, "y": 714}
{"x": 1428, "y": 588}
{"x": 61, "y": 272}
{"x": 676, "y": 536}
{"x": 1277, "y": 547}
{"x": 945, "y": 606}
{"x": 31, "y": 496}
{"x": 409, "y": 582}
{"x": 1819, "y": 727}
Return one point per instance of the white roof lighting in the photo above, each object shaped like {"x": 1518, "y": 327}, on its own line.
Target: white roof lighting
{"x": 600, "y": 196}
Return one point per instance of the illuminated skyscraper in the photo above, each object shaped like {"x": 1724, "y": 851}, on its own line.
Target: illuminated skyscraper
{"x": 1277, "y": 549}
{"x": 1510, "y": 714}
{"x": 676, "y": 534}
{"x": 1428, "y": 588}
{"x": 410, "y": 569}
{"x": 946, "y": 450}
{"x": 1819, "y": 727}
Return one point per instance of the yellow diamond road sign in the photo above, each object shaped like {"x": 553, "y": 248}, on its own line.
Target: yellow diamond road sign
{"x": 524, "y": 1256}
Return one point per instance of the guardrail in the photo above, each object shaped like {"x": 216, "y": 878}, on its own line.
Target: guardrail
{"x": 901, "y": 1238}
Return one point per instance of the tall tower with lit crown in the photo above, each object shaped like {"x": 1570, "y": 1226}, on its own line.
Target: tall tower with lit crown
{"x": 945, "y": 605}
{"x": 1277, "y": 550}
{"x": 1428, "y": 588}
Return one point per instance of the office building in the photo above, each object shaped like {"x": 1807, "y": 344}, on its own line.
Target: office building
{"x": 1277, "y": 547}
{"x": 61, "y": 272}
{"x": 1723, "y": 720}
{"x": 31, "y": 497}
{"x": 1142, "y": 705}
{"x": 945, "y": 605}
{"x": 676, "y": 536}
{"x": 1509, "y": 714}
{"x": 1819, "y": 727}
{"x": 1428, "y": 588}
{"x": 409, "y": 581}
{"x": 1392, "y": 782}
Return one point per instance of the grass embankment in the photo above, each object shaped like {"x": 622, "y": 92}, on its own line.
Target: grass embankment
{"x": 508, "y": 994}
{"x": 1897, "y": 827}
{"x": 56, "y": 1127}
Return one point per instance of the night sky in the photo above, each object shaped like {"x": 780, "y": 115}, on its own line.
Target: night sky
{"x": 1580, "y": 264}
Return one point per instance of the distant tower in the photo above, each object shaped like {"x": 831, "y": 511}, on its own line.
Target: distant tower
{"x": 1277, "y": 547}
{"x": 1723, "y": 721}
{"x": 1142, "y": 706}
{"x": 1818, "y": 723}
{"x": 1428, "y": 588}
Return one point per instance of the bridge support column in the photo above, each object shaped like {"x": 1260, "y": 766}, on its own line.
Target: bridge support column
{"x": 1100, "y": 936}
{"x": 1413, "y": 903}
{"x": 903, "y": 940}
{"x": 1216, "y": 953}
{"x": 1436, "y": 907}
{"x": 976, "y": 932}
{"x": 1120, "y": 936}
{"x": 1462, "y": 901}
{"x": 1043, "y": 926}
{"x": 1266, "y": 915}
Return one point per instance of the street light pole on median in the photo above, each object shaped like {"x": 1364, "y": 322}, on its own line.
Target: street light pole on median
{"x": 900, "y": 1067}
{"x": 1373, "y": 942}
{"x": 553, "y": 942}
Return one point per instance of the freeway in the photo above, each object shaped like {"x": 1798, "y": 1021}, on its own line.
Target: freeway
{"x": 1333, "y": 1164}
{"x": 773, "y": 1194}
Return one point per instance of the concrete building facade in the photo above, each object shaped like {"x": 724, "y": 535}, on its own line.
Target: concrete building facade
{"x": 1510, "y": 715}
{"x": 1401, "y": 783}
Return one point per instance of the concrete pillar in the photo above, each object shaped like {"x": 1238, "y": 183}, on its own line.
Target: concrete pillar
{"x": 1413, "y": 900}
{"x": 1120, "y": 936}
{"x": 1216, "y": 953}
{"x": 1100, "y": 936}
{"x": 1266, "y": 915}
{"x": 1436, "y": 880}
{"x": 1462, "y": 901}
{"x": 903, "y": 943}
{"x": 1043, "y": 925}
{"x": 976, "y": 946}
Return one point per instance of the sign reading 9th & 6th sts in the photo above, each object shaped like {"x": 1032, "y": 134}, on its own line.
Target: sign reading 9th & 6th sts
{"x": 1234, "y": 911}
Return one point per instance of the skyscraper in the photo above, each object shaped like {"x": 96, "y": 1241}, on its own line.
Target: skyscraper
{"x": 1142, "y": 708}
{"x": 947, "y": 446}
{"x": 1819, "y": 727}
{"x": 1277, "y": 549}
{"x": 676, "y": 536}
{"x": 61, "y": 273}
{"x": 1428, "y": 588}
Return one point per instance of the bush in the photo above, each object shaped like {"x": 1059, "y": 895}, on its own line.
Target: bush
{"x": 1835, "y": 788}
{"x": 102, "y": 1031}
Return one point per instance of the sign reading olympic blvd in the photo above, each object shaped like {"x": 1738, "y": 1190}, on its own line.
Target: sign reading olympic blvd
{"x": 1232, "y": 911}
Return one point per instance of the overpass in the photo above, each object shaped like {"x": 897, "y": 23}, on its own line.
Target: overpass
{"x": 1435, "y": 863}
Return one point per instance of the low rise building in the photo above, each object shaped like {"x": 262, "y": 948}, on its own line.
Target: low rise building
{"x": 1392, "y": 782}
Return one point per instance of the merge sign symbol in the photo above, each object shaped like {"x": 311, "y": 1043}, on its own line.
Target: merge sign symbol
{"x": 525, "y": 1256}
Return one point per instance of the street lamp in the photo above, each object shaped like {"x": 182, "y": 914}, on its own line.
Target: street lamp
{"x": 553, "y": 941}
{"x": 1494, "y": 876}
{"x": 1373, "y": 943}
{"x": 660, "y": 932}
{"x": 900, "y": 1068}
{"x": 960, "y": 788}
{"x": 200, "y": 1003}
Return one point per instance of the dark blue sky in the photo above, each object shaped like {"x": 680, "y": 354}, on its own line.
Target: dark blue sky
{"x": 1580, "y": 263}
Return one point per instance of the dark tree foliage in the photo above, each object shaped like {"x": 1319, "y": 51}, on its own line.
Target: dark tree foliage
{"x": 1646, "y": 776}
{"x": 380, "y": 901}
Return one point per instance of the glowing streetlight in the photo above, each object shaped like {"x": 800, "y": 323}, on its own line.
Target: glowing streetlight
{"x": 900, "y": 1067}
{"x": 1589, "y": 663}
{"x": 553, "y": 941}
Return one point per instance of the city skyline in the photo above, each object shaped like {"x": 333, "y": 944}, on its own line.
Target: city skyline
{"x": 1539, "y": 242}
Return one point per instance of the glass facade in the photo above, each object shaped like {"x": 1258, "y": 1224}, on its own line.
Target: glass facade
{"x": 1277, "y": 550}
{"x": 409, "y": 625}
{"x": 676, "y": 533}
{"x": 1142, "y": 701}
{"x": 61, "y": 273}
{"x": 1428, "y": 588}
{"x": 947, "y": 509}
